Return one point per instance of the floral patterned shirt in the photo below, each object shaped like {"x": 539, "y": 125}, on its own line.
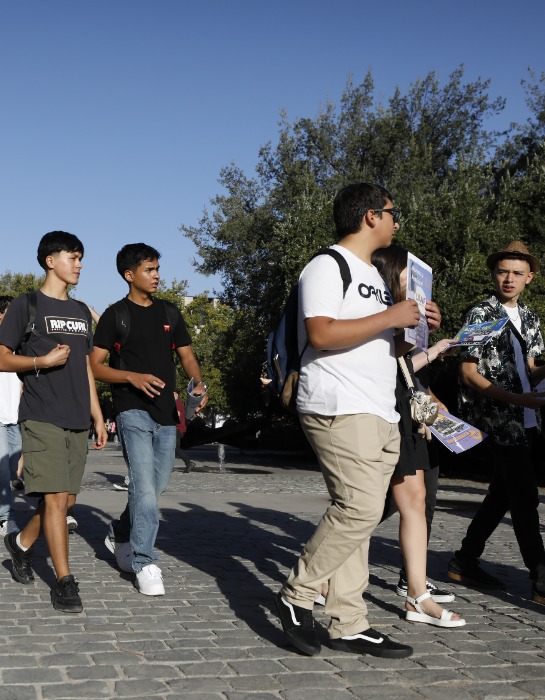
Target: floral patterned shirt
{"x": 496, "y": 361}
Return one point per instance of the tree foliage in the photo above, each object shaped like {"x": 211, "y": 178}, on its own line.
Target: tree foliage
{"x": 464, "y": 191}
{"x": 16, "y": 283}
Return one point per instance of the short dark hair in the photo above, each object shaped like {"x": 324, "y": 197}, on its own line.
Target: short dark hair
{"x": 132, "y": 254}
{"x": 5, "y": 301}
{"x": 352, "y": 202}
{"x": 390, "y": 262}
{"x": 55, "y": 242}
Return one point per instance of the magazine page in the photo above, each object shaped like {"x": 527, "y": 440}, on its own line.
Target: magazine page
{"x": 479, "y": 333}
{"x": 454, "y": 433}
{"x": 419, "y": 284}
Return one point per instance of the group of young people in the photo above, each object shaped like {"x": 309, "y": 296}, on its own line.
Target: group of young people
{"x": 352, "y": 401}
{"x": 353, "y": 405}
{"x": 58, "y": 360}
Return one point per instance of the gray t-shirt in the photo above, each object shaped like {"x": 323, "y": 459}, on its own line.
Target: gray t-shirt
{"x": 59, "y": 395}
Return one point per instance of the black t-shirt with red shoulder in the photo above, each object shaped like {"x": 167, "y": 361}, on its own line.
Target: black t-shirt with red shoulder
{"x": 147, "y": 350}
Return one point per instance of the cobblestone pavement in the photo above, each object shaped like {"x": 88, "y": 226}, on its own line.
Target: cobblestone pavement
{"x": 226, "y": 543}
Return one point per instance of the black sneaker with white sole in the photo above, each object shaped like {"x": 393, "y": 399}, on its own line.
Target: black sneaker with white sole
{"x": 21, "y": 560}
{"x": 65, "y": 595}
{"x": 438, "y": 595}
{"x": 373, "y": 643}
{"x": 298, "y": 625}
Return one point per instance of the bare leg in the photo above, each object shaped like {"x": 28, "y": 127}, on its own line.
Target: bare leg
{"x": 56, "y": 531}
{"x": 409, "y": 494}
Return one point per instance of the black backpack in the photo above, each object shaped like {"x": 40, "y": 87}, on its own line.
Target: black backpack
{"x": 283, "y": 357}
{"x": 33, "y": 342}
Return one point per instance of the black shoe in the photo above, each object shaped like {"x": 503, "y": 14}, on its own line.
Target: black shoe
{"x": 438, "y": 595}
{"x": 65, "y": 595}
{"x": 538, "y": 592}
{"x": 21, "y": 561}
{"x": 469, "y": 571}
{"x": 373, "y": 643}
{"x": 298, "y": 625}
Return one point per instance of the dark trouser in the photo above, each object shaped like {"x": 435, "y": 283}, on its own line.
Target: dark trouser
{"x": 513, "y": 488}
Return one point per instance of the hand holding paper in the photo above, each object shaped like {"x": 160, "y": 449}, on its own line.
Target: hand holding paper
{"x": 195, "y": 399}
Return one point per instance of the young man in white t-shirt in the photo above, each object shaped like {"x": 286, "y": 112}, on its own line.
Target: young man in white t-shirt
{"x": 346, "y": 406}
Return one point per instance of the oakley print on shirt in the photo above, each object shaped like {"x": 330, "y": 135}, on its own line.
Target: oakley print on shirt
{"x": 383, "y": 296}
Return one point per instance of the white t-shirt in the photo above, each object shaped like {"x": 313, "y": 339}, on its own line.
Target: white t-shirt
{"x": 359, "y": 379}
{"x": 530, "y": 420}
{"x": 10, "y": 395}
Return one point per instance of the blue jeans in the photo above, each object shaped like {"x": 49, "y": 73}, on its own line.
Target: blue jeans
{"x": 148, "y": 448}
{"x": 10, "y": 451}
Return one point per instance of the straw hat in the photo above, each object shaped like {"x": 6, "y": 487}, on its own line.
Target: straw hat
{"x": 514, "y": 250}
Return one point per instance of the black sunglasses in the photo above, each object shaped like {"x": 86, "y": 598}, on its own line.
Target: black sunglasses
{"x": 396, "y": 213}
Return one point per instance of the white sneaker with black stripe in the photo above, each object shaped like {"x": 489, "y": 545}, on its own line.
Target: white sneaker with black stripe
{"x": 436, "y": 594}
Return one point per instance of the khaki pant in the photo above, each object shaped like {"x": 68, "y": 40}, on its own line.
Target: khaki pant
{"x": 357, "y": 455}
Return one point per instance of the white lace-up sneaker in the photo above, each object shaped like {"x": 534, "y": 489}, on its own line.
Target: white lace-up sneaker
{"x": 7, "y": 527}
{"x": 149, "y": 580}
{"x": 122, "y": 552}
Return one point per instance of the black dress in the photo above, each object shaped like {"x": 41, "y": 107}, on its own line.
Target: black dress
{"x": 413, "y": 450}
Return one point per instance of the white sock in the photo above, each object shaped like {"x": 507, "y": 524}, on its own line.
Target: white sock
{"x": 18, "y": 541}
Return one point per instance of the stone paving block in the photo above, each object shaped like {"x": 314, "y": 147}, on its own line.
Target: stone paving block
{"x": 254, "y": 683}
{"x": 11, "y": 660}
{"x": 499, "y": 691}
{"x": 86, "y": 689}
{"x": 258, "y": 667}
{"x": 207, "y": 669}
{"x": 116, "y": 658}
{"x": 368, "y": 691}
{"x": 79, "y": 673}
{"x": 450, "y": 692}
{"x": 176, "y": 656}
{"x": 140, "y": 688}
{"x": 31, "y": 675}
{"x": 185, "y": 686}
{"x": 17, "y": 692}
{"x": 310, "y": 680}
{"x": 234, "y": 695}
{"x": 51, "y": 660}
{"x": 326, "y": 694}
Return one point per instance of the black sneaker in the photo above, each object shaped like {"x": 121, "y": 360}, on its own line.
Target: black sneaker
{"x": 469, "y": 572}
{"x": 373, "y": 643}
{"x": 298, "y": 625}
{"x": 437, "y": 594}
{"x": 65, "y": 595}
{"x": 21, "y": 569}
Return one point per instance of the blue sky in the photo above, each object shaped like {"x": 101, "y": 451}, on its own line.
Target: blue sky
{"x": 117, "y": 115}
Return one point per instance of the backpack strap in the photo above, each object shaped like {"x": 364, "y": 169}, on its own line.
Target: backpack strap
{"x": 122, "y": 324}
{"x": 341, "y": 262}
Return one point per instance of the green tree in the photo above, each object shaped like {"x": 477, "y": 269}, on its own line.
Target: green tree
{"x": 428, "y": 147}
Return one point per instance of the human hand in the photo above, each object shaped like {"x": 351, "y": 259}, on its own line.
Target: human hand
{"x": 531, "y": 399}
{"x": 433, "y": 316}
{"x": 102, "y": 436}
{"x": 54, "y": 358}
{"x": 404, "y": 314}
{"x": 148, "y": 383}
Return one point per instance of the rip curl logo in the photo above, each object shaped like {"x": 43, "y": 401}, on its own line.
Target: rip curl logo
{"x": 381, "y": 295}
{"x": 70, "y": 326}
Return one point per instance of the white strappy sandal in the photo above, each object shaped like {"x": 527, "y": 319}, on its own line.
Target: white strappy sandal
{"x": 420, "y": 616}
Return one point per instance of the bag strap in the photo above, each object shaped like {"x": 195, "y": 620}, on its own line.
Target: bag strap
{"x": 405, "y": 372}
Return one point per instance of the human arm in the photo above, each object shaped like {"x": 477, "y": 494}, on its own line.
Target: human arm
{"x": 192, "y": 369}
{"x": 326, "y": 333}
{"x": 148, "y": 383}
{"x": 426, "y": 357}
{"x": 21, "y": 363}
{"x": 96, "y": 413}
{"x": 470, "y": 377}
